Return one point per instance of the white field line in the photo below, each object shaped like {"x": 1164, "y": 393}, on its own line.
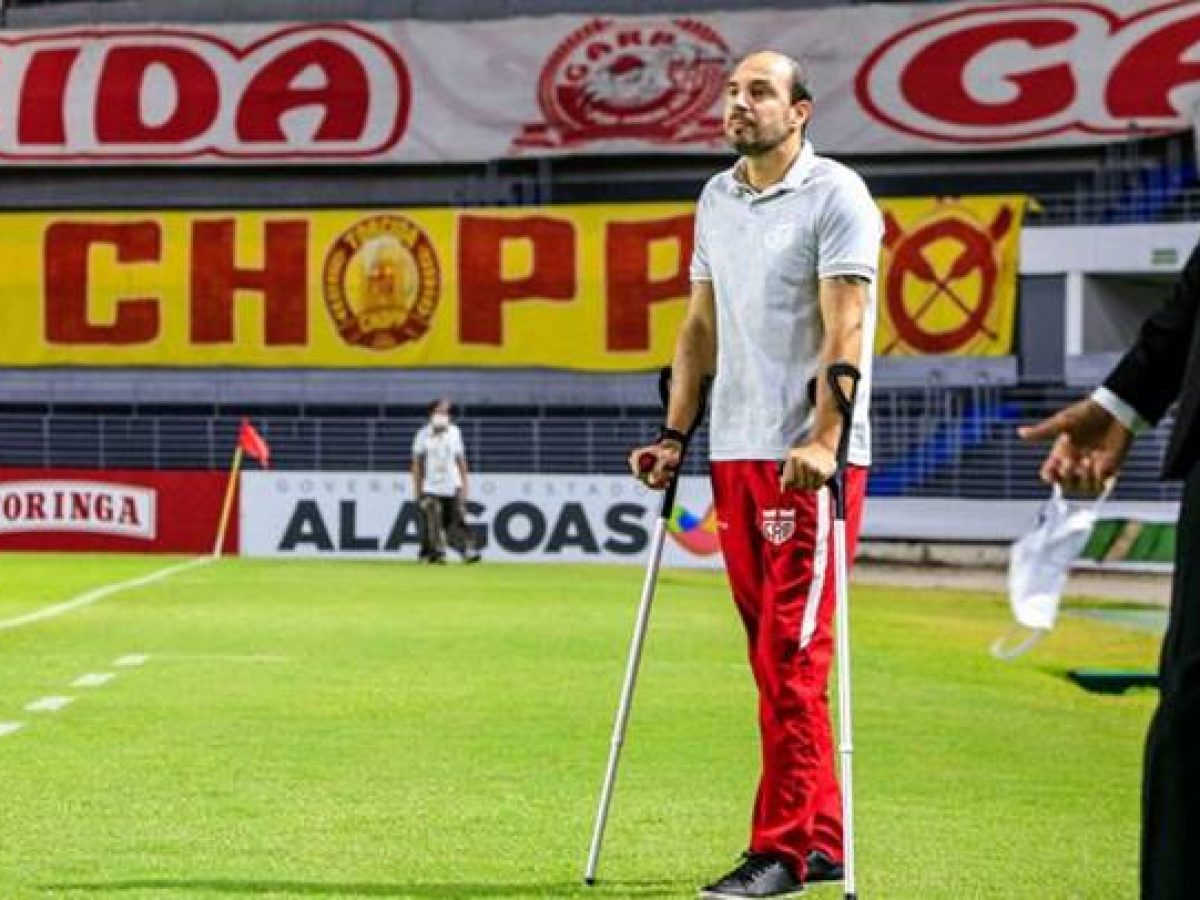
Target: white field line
{"x": 132, "y": 659}
{"x": 53, "y": 704}
{"x": 221, "y": 657}
{"x": 49, "y": 704}
{"x": 100, "y": 593}
{"x": 93, "y": 679}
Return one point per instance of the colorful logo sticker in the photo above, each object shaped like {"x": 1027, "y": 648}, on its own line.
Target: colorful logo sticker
{"x": 695, "y": 534}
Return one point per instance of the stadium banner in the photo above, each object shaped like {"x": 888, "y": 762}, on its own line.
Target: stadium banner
{"x": 611, "y": 518}
{"x": 588, "y": 287}
{"x": 136, "y": 511}
{"x": 919, "y": 78}
{"x": 948, "y": 279}
{"x": 517, "y": 518}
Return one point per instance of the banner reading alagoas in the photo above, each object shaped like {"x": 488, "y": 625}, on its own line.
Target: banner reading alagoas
{"x": 596, "y": 288}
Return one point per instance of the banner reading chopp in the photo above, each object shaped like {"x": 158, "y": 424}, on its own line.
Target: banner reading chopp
{"x": 948, "y": 279}
{"x": 587, "y": 287}
{"x": 592, "y": 288}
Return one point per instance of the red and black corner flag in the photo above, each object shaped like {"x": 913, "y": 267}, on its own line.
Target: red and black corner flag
{"x": 253, "y": 444}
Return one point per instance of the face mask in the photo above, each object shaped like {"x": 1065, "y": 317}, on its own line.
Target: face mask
{"x": 1038, "y": 567}
{"x": 439, "y": 419}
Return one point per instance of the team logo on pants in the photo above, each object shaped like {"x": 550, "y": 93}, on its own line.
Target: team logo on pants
{"x": 778, "y": 525}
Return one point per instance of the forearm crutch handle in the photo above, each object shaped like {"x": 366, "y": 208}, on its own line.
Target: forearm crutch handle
{"x": 646, "y": 462}
{"x": 844, "y": 399}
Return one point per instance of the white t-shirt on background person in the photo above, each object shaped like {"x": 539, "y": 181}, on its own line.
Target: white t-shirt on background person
{"x": 441, "y": 449}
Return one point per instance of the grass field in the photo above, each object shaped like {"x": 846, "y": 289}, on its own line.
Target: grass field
{"x": 385, "y": 730}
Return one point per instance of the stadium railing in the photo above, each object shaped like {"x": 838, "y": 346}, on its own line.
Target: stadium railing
{"x": 931, "y": 441}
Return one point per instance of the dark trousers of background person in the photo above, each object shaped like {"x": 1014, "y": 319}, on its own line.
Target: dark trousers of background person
{"x": 1171, "y": 789}
{"x": 442, "y": 523}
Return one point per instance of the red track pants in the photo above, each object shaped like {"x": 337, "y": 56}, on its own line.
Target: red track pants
{"x": 779, "y": 556}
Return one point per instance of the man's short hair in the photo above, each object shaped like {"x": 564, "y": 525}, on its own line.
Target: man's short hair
{"x": 438, "y": 402}
{"x": 799, "y": 75}
{"x": 800, "y": 89}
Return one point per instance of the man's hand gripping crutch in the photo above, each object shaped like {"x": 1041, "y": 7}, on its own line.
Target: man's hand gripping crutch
{"x": 657, "y": 465}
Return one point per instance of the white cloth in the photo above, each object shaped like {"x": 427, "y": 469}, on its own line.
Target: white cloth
{"x": 765, "y": 254}
{"x": 1040, "y": 562}
{"x": 441, "y": 449}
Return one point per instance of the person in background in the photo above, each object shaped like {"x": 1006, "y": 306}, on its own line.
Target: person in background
{"x": 440, "y": 480}
{"x": 1091, "y": 439}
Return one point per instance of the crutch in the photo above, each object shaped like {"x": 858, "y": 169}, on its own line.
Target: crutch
{"x": 640, "y": 626}
{"x": 837, "y": 487}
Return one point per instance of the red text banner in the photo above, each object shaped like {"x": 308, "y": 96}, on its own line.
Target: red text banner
{"x": 920, "y": 77}
{"x": 111, "y": 510}
{"x": 588, "y": 288}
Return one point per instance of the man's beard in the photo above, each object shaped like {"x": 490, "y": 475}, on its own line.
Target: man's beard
{"x": 758, "y": 145}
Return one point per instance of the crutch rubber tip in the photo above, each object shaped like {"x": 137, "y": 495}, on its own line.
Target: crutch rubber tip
{"x": 590, "y": 882}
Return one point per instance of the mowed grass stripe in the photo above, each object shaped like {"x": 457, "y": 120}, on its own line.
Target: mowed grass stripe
{"x": 441, "y": 732}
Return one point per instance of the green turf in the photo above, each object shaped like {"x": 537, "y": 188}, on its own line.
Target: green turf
{"x": 385, "y": 730}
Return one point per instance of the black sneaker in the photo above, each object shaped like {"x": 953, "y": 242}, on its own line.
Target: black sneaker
{"x": 759, "y": 875}
{"x": 820, "y": 868}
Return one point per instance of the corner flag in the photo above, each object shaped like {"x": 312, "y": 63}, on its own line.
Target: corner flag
{"x": 249, "y": 443}
{"x": 253, "y": 444}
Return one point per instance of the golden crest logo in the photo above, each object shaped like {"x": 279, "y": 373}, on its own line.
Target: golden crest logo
{"x": 382, "y": 282}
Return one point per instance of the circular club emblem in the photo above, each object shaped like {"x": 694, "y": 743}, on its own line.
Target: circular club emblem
{"x": 959, "y": 288}
{"x": 381, "y": 282}
{"x": 650, "y": 81}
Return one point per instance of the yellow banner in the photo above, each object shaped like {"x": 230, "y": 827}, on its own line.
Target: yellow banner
{"x": 948, "y": 278}
{"x": 599, "y": 288}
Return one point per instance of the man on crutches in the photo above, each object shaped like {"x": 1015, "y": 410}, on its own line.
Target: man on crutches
{"x": 786, "y": 249}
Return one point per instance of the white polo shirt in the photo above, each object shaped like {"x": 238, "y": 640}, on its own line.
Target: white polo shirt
{"x": 764, "y": 254}
{"x": 442, "y": 450}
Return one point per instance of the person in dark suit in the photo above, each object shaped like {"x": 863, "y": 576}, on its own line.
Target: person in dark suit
{"x": 1091, "y": 439}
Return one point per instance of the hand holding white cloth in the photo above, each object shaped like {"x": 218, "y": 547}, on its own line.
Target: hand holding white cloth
{"x": 1039, "y": 564}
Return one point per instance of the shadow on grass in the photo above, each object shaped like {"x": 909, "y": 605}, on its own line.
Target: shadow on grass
{"x": 332, "y": 889}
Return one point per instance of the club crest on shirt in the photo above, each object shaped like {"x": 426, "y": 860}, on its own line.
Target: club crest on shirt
{"x": 778, "y": 525}
{"x": 779, "y": 236}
